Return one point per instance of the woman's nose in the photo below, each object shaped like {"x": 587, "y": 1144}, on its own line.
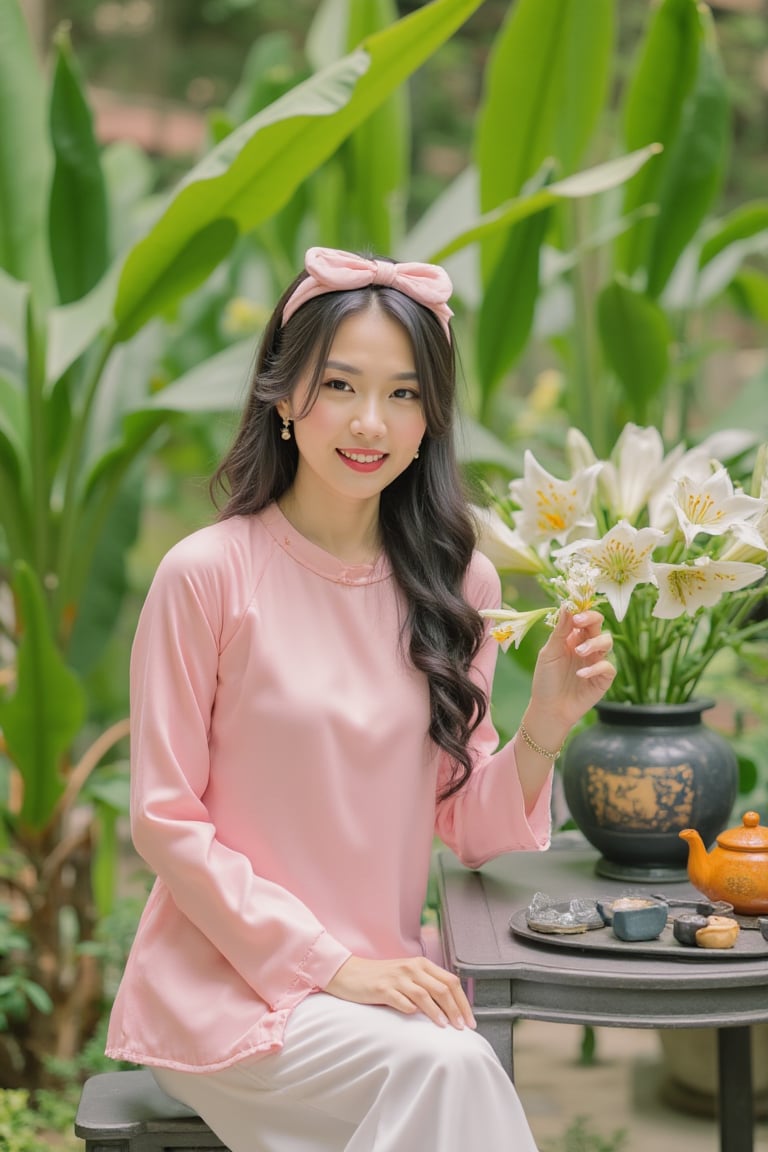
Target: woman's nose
{"x": 368, "y": 420}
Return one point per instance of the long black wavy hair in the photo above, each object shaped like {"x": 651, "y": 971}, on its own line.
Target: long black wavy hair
{"x": 425, "y": 524}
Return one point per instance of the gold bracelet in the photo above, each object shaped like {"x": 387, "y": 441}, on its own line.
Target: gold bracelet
{"x": 537, "y": 747}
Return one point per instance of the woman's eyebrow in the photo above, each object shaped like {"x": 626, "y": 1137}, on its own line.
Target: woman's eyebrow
{"x": 340, "y": 366}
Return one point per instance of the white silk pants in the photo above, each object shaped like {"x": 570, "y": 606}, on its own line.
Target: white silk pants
{"x": 361, "y": 1078}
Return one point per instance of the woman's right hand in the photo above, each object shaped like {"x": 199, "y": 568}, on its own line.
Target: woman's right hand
{"x": 414, "y": 984}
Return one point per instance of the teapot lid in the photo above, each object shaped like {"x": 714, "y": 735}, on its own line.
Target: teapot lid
{"x": 751, "y": 837}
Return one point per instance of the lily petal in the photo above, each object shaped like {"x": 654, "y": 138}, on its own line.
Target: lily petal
{"x": 684, "y": 588}
{"x": 513, "y": 625}
{"x": 712, "y": 506}
{"x": 628, "y": 478}
{"x": 553, "y": 509}
{"x": 504, "y": 546}
{"x": 622, "y": 558}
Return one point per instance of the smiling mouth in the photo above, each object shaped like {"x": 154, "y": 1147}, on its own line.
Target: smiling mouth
{"x": 362, "y": 457}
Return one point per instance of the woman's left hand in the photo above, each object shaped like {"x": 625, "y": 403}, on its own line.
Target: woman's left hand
{"x": 573, "y": 671}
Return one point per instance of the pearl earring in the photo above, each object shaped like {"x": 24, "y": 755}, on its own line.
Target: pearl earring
{"x": 286, "y": 432}
{"x": 416, "y": 454}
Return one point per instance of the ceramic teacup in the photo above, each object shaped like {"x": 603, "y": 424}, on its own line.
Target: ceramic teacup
{"x": 638, "y": 918}
{"x": 685, "y": 927}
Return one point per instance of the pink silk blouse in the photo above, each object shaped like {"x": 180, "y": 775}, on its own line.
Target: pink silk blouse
{"x": 283, "y": 788}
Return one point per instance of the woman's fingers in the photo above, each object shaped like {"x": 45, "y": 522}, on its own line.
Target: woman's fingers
{"x": 408, "y": 985}
{"x": 444, "y": 993}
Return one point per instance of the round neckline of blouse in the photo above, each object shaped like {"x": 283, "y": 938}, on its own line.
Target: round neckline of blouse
{"x": 315, "y": 558}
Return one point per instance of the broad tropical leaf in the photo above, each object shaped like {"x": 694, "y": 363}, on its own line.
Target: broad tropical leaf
{"x": 254, "y": 171}
{"x": 546, "y": 87}
{"x": 663, "y": 77}
{"x": 694, "y": 171}
{"x": 78, "y": 203}
{"x": 25, "y": 155}
{"x": 635, "y": 335}
{"x": 44, "y": 713}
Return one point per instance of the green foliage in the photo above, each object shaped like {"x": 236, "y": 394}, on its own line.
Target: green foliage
{"x": 616, "y": 285}
{"x": 582, "y": 1137}
{"x": 44, "y": 713}
{"x": 18, "y": 1123}
{"x": 17, "y": 992}
{"x": 79, "y": 323}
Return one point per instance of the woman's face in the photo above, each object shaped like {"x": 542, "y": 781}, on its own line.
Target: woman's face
{"x": 367, "y": 421}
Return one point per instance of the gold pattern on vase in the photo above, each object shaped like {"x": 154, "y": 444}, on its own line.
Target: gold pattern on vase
{"x": 642, "y": 798}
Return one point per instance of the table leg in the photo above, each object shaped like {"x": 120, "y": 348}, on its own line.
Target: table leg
{"x": 736, "y": 1106}
{"x": 495, "y": 994}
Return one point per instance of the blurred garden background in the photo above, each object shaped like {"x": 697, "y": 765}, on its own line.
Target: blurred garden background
{"x": 593, "y": 173}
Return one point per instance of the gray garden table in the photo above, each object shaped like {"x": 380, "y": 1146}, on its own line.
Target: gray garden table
{"x": 516, "y": 978}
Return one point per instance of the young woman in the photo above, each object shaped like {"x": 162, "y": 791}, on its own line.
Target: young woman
{"x": 309, "y": 694}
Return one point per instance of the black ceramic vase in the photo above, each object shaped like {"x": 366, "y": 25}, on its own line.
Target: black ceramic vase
{"x": 640, "y": 775}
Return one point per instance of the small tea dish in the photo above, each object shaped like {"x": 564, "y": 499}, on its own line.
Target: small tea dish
{"x": 564, "y": 918}
{"x": 638, "y": 918}
{"x": 718, "y": 932}
{"x": 685, "y": 927}
{"x": 606, "y": 906}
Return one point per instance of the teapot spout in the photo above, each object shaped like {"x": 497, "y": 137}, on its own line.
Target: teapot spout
{"x": 698, "y": 859}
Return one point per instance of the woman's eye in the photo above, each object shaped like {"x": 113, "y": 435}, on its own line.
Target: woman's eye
{"x": 337, "y": 385}
{"x": 406, "y": 394}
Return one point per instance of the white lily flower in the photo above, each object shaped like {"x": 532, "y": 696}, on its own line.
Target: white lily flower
{"x": 747, "y": 542}
{"x": 712, "y": 506}
{"x": 632, "y": 472}
{"x": 622, "y": 558}
{"x": 553, "y": 509}
{"x": 504, "y": 546}
{"x": 685, "y": 524}
{"x": 759, "y": 485}
{"x": 696, "y": 463}
{"x": 688, "y": 587}
{"x": 513, "y": 625}
{"x": 578, "y": 451}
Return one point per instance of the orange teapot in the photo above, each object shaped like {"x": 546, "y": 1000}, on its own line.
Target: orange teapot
{"x": 736, "y": 869}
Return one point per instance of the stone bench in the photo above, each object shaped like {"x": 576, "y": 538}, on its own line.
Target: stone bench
{"x": 129, "y": 1112}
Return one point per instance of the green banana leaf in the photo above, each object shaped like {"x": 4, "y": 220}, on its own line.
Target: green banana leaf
{"x": 254, "y": 171}
{"x": 105, "y": 579}
{"x": 742, "y": 223}
{"x": 77, "y": 219}
{"x": 508, "y": 306}
{"x": 218, "y": 384}
{"x": 14, "y": 301}
{"x": 590, "y": 182}
{"x": 73, "y": 328}
{"x": 25, "y": 156}
{"x": 364, "y": 201}
{"x": 661, "y": 81}
{"x": 749, "y": 290}
{"x": 108, "y": 790}
{"x": 635, "y": 335}
{"x": 46, "y": 710}
{"x": 546, "y": 85}
{"x": 695, "y": 168}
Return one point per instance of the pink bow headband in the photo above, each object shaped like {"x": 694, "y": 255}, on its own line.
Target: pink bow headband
{"x": 332, "y": 270}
